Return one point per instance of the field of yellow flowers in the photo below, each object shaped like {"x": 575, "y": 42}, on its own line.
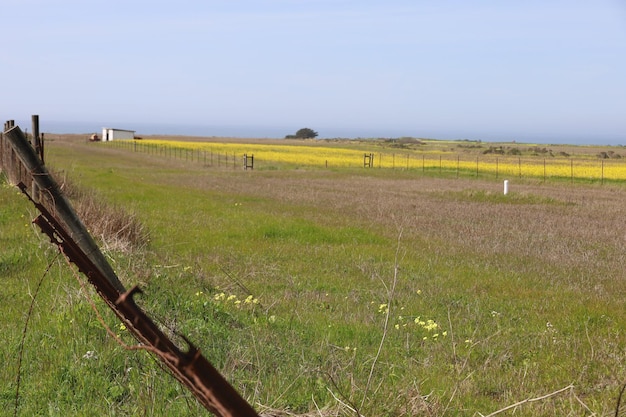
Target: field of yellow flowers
{"x": 352, "y": 154}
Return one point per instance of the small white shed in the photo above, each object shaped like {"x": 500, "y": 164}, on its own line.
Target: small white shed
{"x": 109, "y": 133}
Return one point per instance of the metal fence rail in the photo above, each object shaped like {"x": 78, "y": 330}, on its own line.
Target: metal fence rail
{"x": 24, "y": 168}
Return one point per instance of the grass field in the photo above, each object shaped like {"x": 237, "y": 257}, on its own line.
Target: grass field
{"x": 441, "y": 158}
{"x": 321, "y": 292}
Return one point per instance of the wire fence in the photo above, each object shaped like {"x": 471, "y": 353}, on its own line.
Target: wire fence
{"x": 510, "y": 167}
{"x": 207, "y": 157}
{"x": 442, "y": 164}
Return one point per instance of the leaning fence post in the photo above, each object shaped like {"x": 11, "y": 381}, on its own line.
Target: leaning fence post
{"x": 59, "y": 221}
{"x": 49, "y": 190}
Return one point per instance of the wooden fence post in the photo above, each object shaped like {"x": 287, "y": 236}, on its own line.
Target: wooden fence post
{"x": 368, "y": 160}
{"x": 496, "y": 168}
{"x": 35, "y": 142}
{"x": 602, "y": 173}
{"x": 248, "y": 161}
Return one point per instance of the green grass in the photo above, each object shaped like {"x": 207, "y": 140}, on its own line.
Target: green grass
{"x": 318, "y": 251}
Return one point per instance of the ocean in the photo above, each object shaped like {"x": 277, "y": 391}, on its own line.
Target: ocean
{"x": 277, "y": 132}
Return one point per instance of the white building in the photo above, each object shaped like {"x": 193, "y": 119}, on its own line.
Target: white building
{"x": 109, "y": 133}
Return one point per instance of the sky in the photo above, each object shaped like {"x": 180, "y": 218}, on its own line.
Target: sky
{"x": 547, "y": 71}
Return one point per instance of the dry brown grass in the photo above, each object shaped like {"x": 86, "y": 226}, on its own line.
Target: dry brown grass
{"x": 116, "y": 228}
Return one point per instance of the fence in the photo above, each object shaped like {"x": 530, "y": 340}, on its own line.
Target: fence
{"x": 510, "y": 167}
{"x": 20, "y": 161}
{"x": 248, "y": 161}
{"x": 207, "y": 158}
{"x": 10, "y": 164}
{"x": 442, "y": 164}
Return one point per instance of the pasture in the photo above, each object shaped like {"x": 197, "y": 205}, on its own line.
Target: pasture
{"x": 441, "y": 158}
{"x": 387, "y": 292}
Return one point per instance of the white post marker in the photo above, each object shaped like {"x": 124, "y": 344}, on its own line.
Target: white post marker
{"x": 506, "y": 187}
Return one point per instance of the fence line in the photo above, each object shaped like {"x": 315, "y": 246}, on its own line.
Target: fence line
{"x": 24, "y": 168}
{"x": 208, "y": 158}
{"x": 450, "y": 164}
{"x": 510, "y": 167}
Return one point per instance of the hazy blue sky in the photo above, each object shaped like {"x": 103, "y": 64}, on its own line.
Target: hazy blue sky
{"x": 533, "y": 70}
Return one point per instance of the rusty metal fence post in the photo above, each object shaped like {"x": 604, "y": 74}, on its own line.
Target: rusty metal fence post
{"x": 58, "y": 220}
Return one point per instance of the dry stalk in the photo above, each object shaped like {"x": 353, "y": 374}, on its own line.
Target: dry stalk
{"x": 390, "y": 296}
{"x": 24, "y": 331}
{"x": 344, "y": 404}
{"x": 619, "y": 400}
{"x": 529, "y": 400}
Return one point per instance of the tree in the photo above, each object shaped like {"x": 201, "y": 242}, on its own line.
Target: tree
{"x": 304, "y": 133}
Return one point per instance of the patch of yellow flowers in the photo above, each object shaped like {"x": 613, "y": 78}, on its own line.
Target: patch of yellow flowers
{"x": 234, "y": 300}
{"x": 338, "y": 157}
{"x": 300, "y": 155}
{"x": 430, "y": 326}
